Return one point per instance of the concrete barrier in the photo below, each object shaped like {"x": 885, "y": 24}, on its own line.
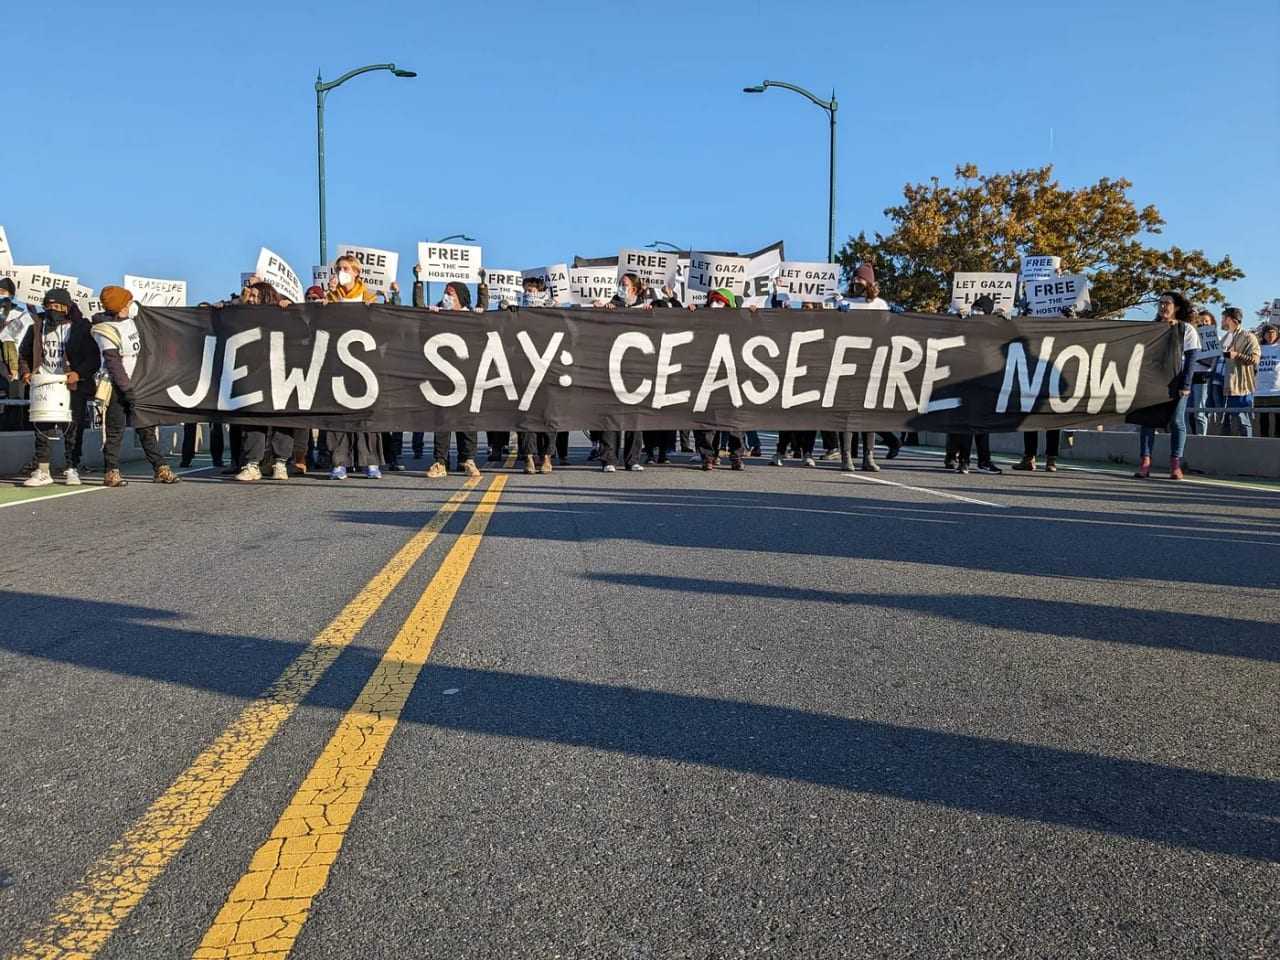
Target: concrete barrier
{"x": 17, "y": 448}
{"x": 1211, "y": 456}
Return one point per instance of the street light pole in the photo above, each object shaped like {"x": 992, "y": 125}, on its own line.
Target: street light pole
{"x": 322, "y": 89}
{"x": 830, "y": 106}
{"x": 673, "y": 248}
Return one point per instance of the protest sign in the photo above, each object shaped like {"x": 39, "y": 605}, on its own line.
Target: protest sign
{"x": 709, "y": 271}
{"x": 656, "y": 269}
{"x": 968, "y": 287}
{"x": 1050, "y": 296}
{"x": 762, "y": 267}
{"x": 808, "y": 282}
{"x": 19, "y": 274}
{"x": 1268, "y": 384}
{"x": 556, "y": 277}
{"x": 448, "y": 262}
{"x": 320, "y": 277}
{"x": 6, "y": 254}
{"x": 274, "y": 270}
{"x": 358, "y": 367}
{"x": 378, "y": 268}
{"x": 33, "y": 283}
{"x": 150, "y": 292}
{"x": 505, "y": 287}
{"x": 1210, "y": 343}
{"x": 84, "y": 299}
{"x": 1040, "y": 268}
{"x": 588, "y": 285}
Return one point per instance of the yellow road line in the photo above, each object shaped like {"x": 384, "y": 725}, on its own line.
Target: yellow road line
{"x": 265, "y": 911}
{"x": 87, "y": 916}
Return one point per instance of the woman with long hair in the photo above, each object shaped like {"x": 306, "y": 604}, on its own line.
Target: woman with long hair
{"x": 1175, "y": 310}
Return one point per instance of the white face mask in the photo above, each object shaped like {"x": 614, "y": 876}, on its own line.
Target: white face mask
{"x": 717, "y": 305}
{"x": 448, "y": 303}
{"x": 345, "y": 279}
{"x": 131, "y": 312}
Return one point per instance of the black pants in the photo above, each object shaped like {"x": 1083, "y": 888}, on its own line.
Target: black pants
{"x": 1030, "y": 441}
{"x": 72, "y": 433}
{"x": 802, "y": 440}
{"x": 708, "y": 442}
{"x": 416, "y": 442}
{"x": 466, "y": 447}
{"x": 266, "y": 444}
{"x": 367, "y": 445}
{"x": 960, "y": 447}
{"x": 562, "y": 445}
{"x": 613, "y": 442}
{"x": 496, "y": 441}
{"x": 535, "y": 443}
{"x": 119, "y": 410}
{"x": 659, "y": 442}
{"x": 189, "y": 442}
{"x": 392, "y": 447}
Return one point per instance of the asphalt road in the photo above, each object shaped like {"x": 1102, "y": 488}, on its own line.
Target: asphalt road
{"x": 785, "y": 712}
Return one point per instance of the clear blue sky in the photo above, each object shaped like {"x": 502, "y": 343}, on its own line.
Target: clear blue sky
{"x": 173, "y": 139}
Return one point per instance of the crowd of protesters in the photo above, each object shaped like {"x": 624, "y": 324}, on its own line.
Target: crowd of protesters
{"x": 98, "y": 355}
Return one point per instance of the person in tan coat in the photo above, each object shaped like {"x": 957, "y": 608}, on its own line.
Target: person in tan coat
{"x": 1240, "y": 354}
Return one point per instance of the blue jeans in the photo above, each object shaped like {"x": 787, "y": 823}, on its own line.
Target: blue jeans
{"x": 1244, "y": 419}
{"x": 1197, "y": 419}
{"x": 1177, "y": 433}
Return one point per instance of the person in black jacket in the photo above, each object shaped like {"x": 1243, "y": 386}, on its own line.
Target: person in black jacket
{"x": 65, "y": 347}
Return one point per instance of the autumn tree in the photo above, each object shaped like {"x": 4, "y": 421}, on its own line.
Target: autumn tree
{"x": 988, "y": 222}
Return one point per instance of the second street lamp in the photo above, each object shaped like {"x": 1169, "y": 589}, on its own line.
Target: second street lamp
{"x": 829, "y": 106}
{"x": 322, "y": 88}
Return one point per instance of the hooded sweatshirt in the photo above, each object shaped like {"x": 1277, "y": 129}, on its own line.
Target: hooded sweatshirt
{"x": 67, "y": 346}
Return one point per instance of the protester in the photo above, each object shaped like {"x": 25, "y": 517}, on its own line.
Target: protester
{"x": 864, "y": 294}
{"x": 345, "y": 286}
{"x": 314, "y": 294}
{"x": 455, "y": 296}
{"x": 1030, "y": 444}
{"x": 1240, "y": 352}
{"x": 64, "y": 347}
{"x": 708, "y": 442}
{"x": 15, "y": 321}
{"x": 1175, "y": 310}
{"x": 1201, "y": 375}
{"x": 542, "y": 443}
{"x": 270, "y": 445}
{"x": 1269, "y": 422}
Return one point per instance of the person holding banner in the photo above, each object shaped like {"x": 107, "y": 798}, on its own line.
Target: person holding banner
{"x": 345, "y": 286}
{"x": 1175, "y": 310}
{"x": 544, "y": 444}
{"x": 455, "y": 296}
{"x": 258, "y": 445}
{"x": 864, "y": 294}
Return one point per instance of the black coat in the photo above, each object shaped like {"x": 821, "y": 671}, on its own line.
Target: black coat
{"x": 82, "y": 350}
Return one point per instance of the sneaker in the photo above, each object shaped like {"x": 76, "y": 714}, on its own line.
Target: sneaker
{"x": 546, "y": 464}
{"x": 989, "y": 467}
{"x": 636, "y": 468}
{"x": 948, "y": 464}
{"x": 437, "y": 470}
{"x": 279, "y": 471}
{"x": 776, "y": 461}
{"x": 1051, "y": 465}
{"x": 71, "y": 477}
{"x": 249, "y": 474}
{"x": 810, "y": 462}
{"x": 869, "y": 465}
{"x": 112, "y": 478}
{"x": 962, "y": 468}
{"x": 300, "y": 467}
{"x": 372, "y": 472}
{"x": 847, "y": 464}
{"x": 337, "y": 473}
{"x": 831, "y": 455}
{"x": 38, "y": 478}
{"x": 1029, "y": 464}
{"x": 470, "y": 469}
{"x": 163, "y": 474}
{"x": 396, "y": 467}
{"x": 735, "y": 463}
{"x": 608, "y": 468}
{"x": 895, "y": 448}
{"x": 530, "y": 465}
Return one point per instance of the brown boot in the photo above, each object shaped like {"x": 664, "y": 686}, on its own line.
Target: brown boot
{"x": 165, "y": 475}
{"x": 112, "y": 478}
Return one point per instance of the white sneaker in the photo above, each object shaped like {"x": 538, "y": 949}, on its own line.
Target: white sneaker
{"x": 636, "y": 468}
{"x": 38, "y": 479}
{"x": 810, "y": 462}
{"x": 279, "y": 471}
{"x": 776, "y": 461}
{"x": 249, "y": 474}
{"x": 608, "y": 468}
{"x": 72, "y": 477}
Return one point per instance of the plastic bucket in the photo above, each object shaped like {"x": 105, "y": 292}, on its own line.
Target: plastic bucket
{"x": 50, "y": 399}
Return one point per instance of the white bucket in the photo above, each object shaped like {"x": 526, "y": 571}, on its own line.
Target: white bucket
{"x": 50, "y": 399}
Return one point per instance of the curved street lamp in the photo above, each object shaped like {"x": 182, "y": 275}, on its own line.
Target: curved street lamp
{"x": 830, "y": 106}
{"x": 664, "y": 243}
{"x": 322, "y": 88}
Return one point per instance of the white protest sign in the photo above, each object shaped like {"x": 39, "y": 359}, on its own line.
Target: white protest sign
{"x": 505, "y": 286}
{"x": 1040, "y": 268}
{"x": 1268, "y": 384}
{"x": 272, "y": 269}
{"x": 1050, "y": 296}
{"x": 762, "y": 267}
{"x": 807, "y": 282}
{"x": 150, "y": 292}
{"x": 708, "y": 271}
{"x": 19, "y": 275}
{"x": 84, "y": 299}
{"x": 378, "y": 268}
{"x": 34, "y": 282}
{"x": 589, "y": 284}
{"x": 1210, "y": 343}
{"x": 320, "y": 277}
{"x": 448, "y": 262}
{"x": 556, "y": 277}
{"x": 655, "y": 268}
{"x": 6, "y": 254}
{"x": 968, "y": 287}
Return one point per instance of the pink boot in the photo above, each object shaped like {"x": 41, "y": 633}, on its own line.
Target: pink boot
{"x": 1175, "y": 468}
{"x": 1144, "y": 468}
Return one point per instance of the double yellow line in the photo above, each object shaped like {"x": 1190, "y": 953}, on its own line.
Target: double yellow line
{"x": 267, "y": 908}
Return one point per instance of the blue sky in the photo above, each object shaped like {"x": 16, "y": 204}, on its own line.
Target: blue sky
{"x": 173, "y": 140}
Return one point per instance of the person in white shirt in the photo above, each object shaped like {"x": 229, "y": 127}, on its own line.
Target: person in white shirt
{"x": 864, "y": 294}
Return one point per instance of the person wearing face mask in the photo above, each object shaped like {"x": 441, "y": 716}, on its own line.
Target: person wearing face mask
{"x": 708, "y": 441}
{"x": 534, "y": 445}
{"x": 1175, "y": 310}
{"x": 345, "y": 286}
{"x": 65, "y": 348}
{"x": 864, "y": 294}
{"x": 456, "y": 296}
{"x": 15, "y": 320}
{"x": 115, "y": 330}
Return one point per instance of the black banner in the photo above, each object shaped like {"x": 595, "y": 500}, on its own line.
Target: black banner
{"x": 356, "y": 367}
